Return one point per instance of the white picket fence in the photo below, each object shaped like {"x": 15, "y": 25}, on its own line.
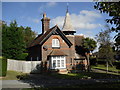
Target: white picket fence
{"x": 23, "y": 66}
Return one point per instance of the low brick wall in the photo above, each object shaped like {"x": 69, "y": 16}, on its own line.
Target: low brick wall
{"x": 24, "y": 66}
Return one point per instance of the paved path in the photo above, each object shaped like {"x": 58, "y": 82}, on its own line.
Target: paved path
{"x": 14, "y": 84}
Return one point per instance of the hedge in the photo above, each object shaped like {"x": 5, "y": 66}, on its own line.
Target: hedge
{"x": 3, "y": 66}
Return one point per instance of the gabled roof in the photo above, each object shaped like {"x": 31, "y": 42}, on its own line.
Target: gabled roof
{"x": 43, "y": 37}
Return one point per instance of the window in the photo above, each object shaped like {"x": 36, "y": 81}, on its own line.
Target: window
{"x": 58, "y": 62}
{"x": 55, "y": 43}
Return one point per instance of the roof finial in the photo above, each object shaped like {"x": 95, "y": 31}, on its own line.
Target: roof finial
{"x": 67, "y": 7}
{"x": 44, "y": 15}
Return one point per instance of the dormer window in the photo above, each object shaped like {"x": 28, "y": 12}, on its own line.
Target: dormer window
{"x": 55, "y": 43}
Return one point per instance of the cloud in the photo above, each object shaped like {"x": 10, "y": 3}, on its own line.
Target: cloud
{"x": 58, "y": 20}
{"x": 90, "y": 13}
{"x": 84, "y": 20}
{"x": 42, "y": 8}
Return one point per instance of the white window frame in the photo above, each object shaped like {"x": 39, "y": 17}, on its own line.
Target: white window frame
{"x": 56, "y": 59}
{"x": 55, "y": 43}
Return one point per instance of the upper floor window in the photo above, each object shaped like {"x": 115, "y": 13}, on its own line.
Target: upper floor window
{"x": 55, "y": 43}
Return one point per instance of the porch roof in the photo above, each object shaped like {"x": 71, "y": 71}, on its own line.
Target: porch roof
{"x": 57, "y": 52}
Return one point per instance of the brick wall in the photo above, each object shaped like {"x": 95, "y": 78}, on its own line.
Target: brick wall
{"x": 63, "y": 47}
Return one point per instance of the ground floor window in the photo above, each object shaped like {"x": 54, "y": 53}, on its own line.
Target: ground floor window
{"x": 58, "y": 62}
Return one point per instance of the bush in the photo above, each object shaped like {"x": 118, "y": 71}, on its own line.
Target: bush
{"x": 117, "y": 65}
{"x": 23, "y": 56}
{"x": 3, "y": 66}
{"x": 23, "y": 76}
{"x": 101, "y": 61}
{"x": 93, "y": 61}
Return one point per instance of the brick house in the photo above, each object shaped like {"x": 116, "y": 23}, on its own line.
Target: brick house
{"x": 57, "y": 49}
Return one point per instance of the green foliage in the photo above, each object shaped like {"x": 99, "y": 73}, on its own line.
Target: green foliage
{"x": 12, "y": 75}
{"x": 23, "y": 56}
{"x": 15, "y": 40}
{"x": 117, "y": 65}
{"x": 0, "y": 38}
{"x": 103, "y": 67}
{"x": 89, "y": 44}
{"x": 85, "y": 75}
{"x": 3, "y": 66}
{"x": 103, "y": 37}
{"x": 93, "y": 60}
{"x": 22, "y": 76}
{"x": 113, "y": 10}
{"x": 12, "y": 44}
{"x": 106, "y": 51}
{"x": 29, "y": 35}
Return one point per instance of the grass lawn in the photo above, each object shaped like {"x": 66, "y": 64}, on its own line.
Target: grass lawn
{"x": 11, "y": 75}
{"x": 86, "y": 75}
{"x": 104, "y": 68}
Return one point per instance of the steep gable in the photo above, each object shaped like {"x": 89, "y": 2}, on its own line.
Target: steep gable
{"x": 43, "y": 37}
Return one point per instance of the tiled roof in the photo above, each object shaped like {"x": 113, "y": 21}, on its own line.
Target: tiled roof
{"x": 67, "y": 23}
{"x": 78, "y": 39}
{"x": 57, "y": 52}
{"x": 79, "y": 54}
{"x": 42, "y": 37}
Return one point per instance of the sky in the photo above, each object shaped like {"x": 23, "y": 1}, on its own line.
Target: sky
{"x": 85, "y": 19}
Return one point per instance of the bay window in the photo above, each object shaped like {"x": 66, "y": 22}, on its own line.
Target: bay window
{"x": 58, "y": 62}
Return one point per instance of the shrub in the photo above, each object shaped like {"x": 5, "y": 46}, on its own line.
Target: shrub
{"x": 101, "y": 61}
{"x": 23, "y": 56}
{"x": 93, "y": 61}
{"x": 117, "y": 65}
{"x": 3, "y": 66}
{"x": 22, "y": 77}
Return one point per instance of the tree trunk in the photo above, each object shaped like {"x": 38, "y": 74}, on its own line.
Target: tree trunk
{"x": 88, "y": 62}
{"x": 107, "y": 66}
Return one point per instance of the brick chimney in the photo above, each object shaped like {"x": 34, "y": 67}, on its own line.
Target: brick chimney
{"x": 45, "y": 23}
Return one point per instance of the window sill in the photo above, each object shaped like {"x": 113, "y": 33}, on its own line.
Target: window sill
{"x": 55, "y": 47}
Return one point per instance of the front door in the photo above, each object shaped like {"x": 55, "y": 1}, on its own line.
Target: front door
{"x": 58, "y": 62}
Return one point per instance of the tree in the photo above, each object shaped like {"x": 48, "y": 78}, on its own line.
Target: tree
{"x": 105, "y": 50}
{"x": 29, "y": 35}
{"x": 12, "y": 41}
{"x": 117, "y": 43}
{"x": 113, "y": 10}
{"x": 89, "y": 45}
{"x": 0, "y": 38}
{"x": 15, "y": 40}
